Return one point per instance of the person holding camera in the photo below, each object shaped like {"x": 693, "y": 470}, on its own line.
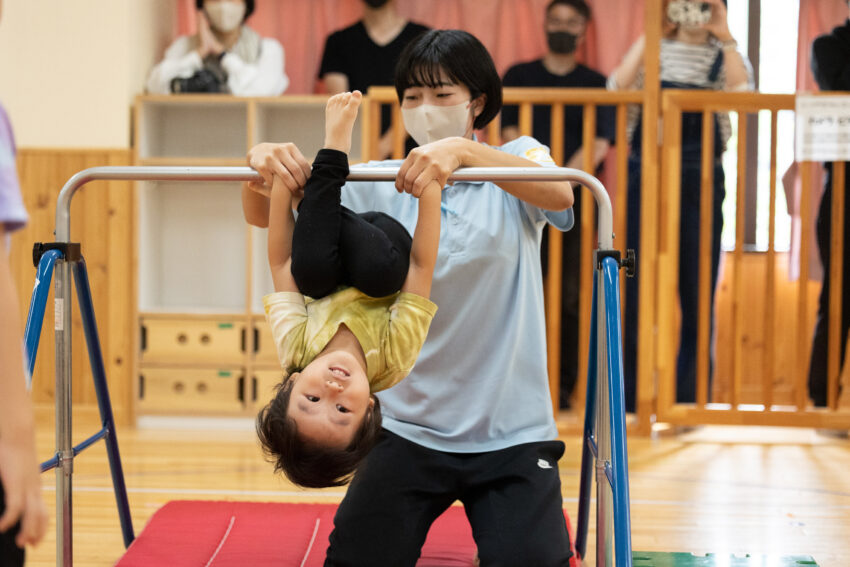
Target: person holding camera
{"x": 697, "y": 52}
{"x": 224, "y": 56}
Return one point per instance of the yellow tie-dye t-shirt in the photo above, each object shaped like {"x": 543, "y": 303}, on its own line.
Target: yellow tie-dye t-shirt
{"x": 391, "y": 329}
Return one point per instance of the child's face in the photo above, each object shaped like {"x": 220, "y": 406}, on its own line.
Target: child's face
{"x": 329, "y": 399}
{"x": 442, "y": 111}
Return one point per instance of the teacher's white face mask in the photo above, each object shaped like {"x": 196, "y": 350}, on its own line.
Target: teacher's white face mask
{"x": 225, "y": 16}
{"x": 428, "y": 123}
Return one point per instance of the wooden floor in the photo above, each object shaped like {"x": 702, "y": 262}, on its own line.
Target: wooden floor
{"x": 755, "y": 490}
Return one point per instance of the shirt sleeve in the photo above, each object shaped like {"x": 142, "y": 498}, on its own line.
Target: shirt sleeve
{"x": 531, "y": 149}
{"x": 265, "y": 77}
{"x": 286, "y": 314}
{"x": 179, "y": 61}
{"x": 409, "y": 319}
{"x": 510, "y": 113}
{"x": 333, "y": 60}
{"x": 749, "y": 85}
{"x": 13, "y": 215}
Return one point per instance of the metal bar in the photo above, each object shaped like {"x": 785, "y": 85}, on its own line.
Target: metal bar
{"x": 172, "y": 173}
{"x": 64, "y": 448}
{"x": 38, "y": 304}
{"x": 80, "y": 447}
{"x": 604, "y": 491}
{"x": 617, "y": 413}
{"x": 49, "y": 464}
{"x": 589, "y": 450}
{"x": 591, "y": 442}
{"x": 104, "y": 404}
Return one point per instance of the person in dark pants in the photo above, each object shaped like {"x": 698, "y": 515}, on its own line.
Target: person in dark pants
{"x": 694, "y": 55}
{"x": 365, "y": 54}
{"x": 831, "y": 68}
{"x": 473, "y": 421}
{"x": 565, "y": 26}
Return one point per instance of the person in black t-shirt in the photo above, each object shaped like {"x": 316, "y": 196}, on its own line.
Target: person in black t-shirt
{"x": 365, "y": 54}
{"x": 565, "y": 26}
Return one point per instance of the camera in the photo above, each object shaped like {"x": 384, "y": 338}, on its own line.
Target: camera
{"x": 203, "y": 81}
{"x": 689, "y": 13}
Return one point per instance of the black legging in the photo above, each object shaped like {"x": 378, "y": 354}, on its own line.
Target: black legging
{"x": 332, "y": 246}
{"x": 818, "y": 381}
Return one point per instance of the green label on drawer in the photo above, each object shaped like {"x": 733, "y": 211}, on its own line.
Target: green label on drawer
{"x": 224, "y": 374}
{"x": 225, "y": 325}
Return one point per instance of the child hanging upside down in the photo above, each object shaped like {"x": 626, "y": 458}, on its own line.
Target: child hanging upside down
{"x": 349, "y": 314}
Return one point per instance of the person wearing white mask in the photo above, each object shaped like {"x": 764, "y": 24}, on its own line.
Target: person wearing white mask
{"x": 473, "y": 420}
{"x": 224, "y": 56}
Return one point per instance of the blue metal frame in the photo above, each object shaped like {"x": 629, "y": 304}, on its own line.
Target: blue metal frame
{"x": 32, "y": 334}
{"x": 616, "y": 469}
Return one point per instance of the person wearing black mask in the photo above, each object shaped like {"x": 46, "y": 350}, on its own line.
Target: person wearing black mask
{"x": 365, "y": 54}
{"x": 565, "y": 25}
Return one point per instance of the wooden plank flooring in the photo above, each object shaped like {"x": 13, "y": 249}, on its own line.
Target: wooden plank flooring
{"x": 756, "y": 490}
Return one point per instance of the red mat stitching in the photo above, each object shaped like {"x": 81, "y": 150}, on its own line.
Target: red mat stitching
{"x": 312, "y": 541}
{"x": 223, "y": 539}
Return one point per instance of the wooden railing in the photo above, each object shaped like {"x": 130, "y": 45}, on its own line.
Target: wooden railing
{"x": 762, "y": 406}
{"x": 659, "y": 259}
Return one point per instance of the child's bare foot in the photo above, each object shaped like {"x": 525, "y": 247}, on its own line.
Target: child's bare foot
{"x": 340, "y": 113}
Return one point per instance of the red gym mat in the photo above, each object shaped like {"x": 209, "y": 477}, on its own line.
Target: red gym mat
{"x": 230, "y": 534}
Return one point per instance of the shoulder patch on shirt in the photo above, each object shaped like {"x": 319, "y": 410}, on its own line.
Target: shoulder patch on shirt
{"x": 539, "y": 154}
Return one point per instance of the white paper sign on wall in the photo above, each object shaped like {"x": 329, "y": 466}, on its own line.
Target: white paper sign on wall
{"x": 822, "y": 128}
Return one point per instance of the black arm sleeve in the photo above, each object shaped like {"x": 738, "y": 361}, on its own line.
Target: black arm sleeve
{"x": 332, "y": 57}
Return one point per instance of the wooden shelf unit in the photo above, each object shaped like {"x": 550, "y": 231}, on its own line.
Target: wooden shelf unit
{"x": 202, "y": 272}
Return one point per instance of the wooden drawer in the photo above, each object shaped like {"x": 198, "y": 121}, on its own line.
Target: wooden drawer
{"x": 263, "y": 386}
{"x": 265, "y": 351}
{"x": 188, "y": 391}
{"x": 207, "y": 341}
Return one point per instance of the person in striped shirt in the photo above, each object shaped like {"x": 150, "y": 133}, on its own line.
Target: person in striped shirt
{"x": 696, "y": 53}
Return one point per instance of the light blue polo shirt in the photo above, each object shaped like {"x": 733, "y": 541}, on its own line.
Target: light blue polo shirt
{"x": 480, "y": 382}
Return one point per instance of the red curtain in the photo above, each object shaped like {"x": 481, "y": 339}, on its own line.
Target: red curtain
{"x": 817, "y": 17}
{"x": 512, "y": 30}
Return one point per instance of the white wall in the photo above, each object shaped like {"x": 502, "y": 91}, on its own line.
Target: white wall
{"x": 69, "y": 69}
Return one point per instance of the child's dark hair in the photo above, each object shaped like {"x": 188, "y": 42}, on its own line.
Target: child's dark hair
{"x": 307, "y": 463}
{"x": 461, "y": 57}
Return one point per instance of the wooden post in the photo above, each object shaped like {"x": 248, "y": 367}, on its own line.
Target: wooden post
{"x": 768, "y": 367}
{"x": 649, "y": 217}
{"x": 705, "y": 244}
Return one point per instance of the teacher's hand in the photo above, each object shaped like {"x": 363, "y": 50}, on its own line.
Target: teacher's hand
{"x": 432, "y": 162}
